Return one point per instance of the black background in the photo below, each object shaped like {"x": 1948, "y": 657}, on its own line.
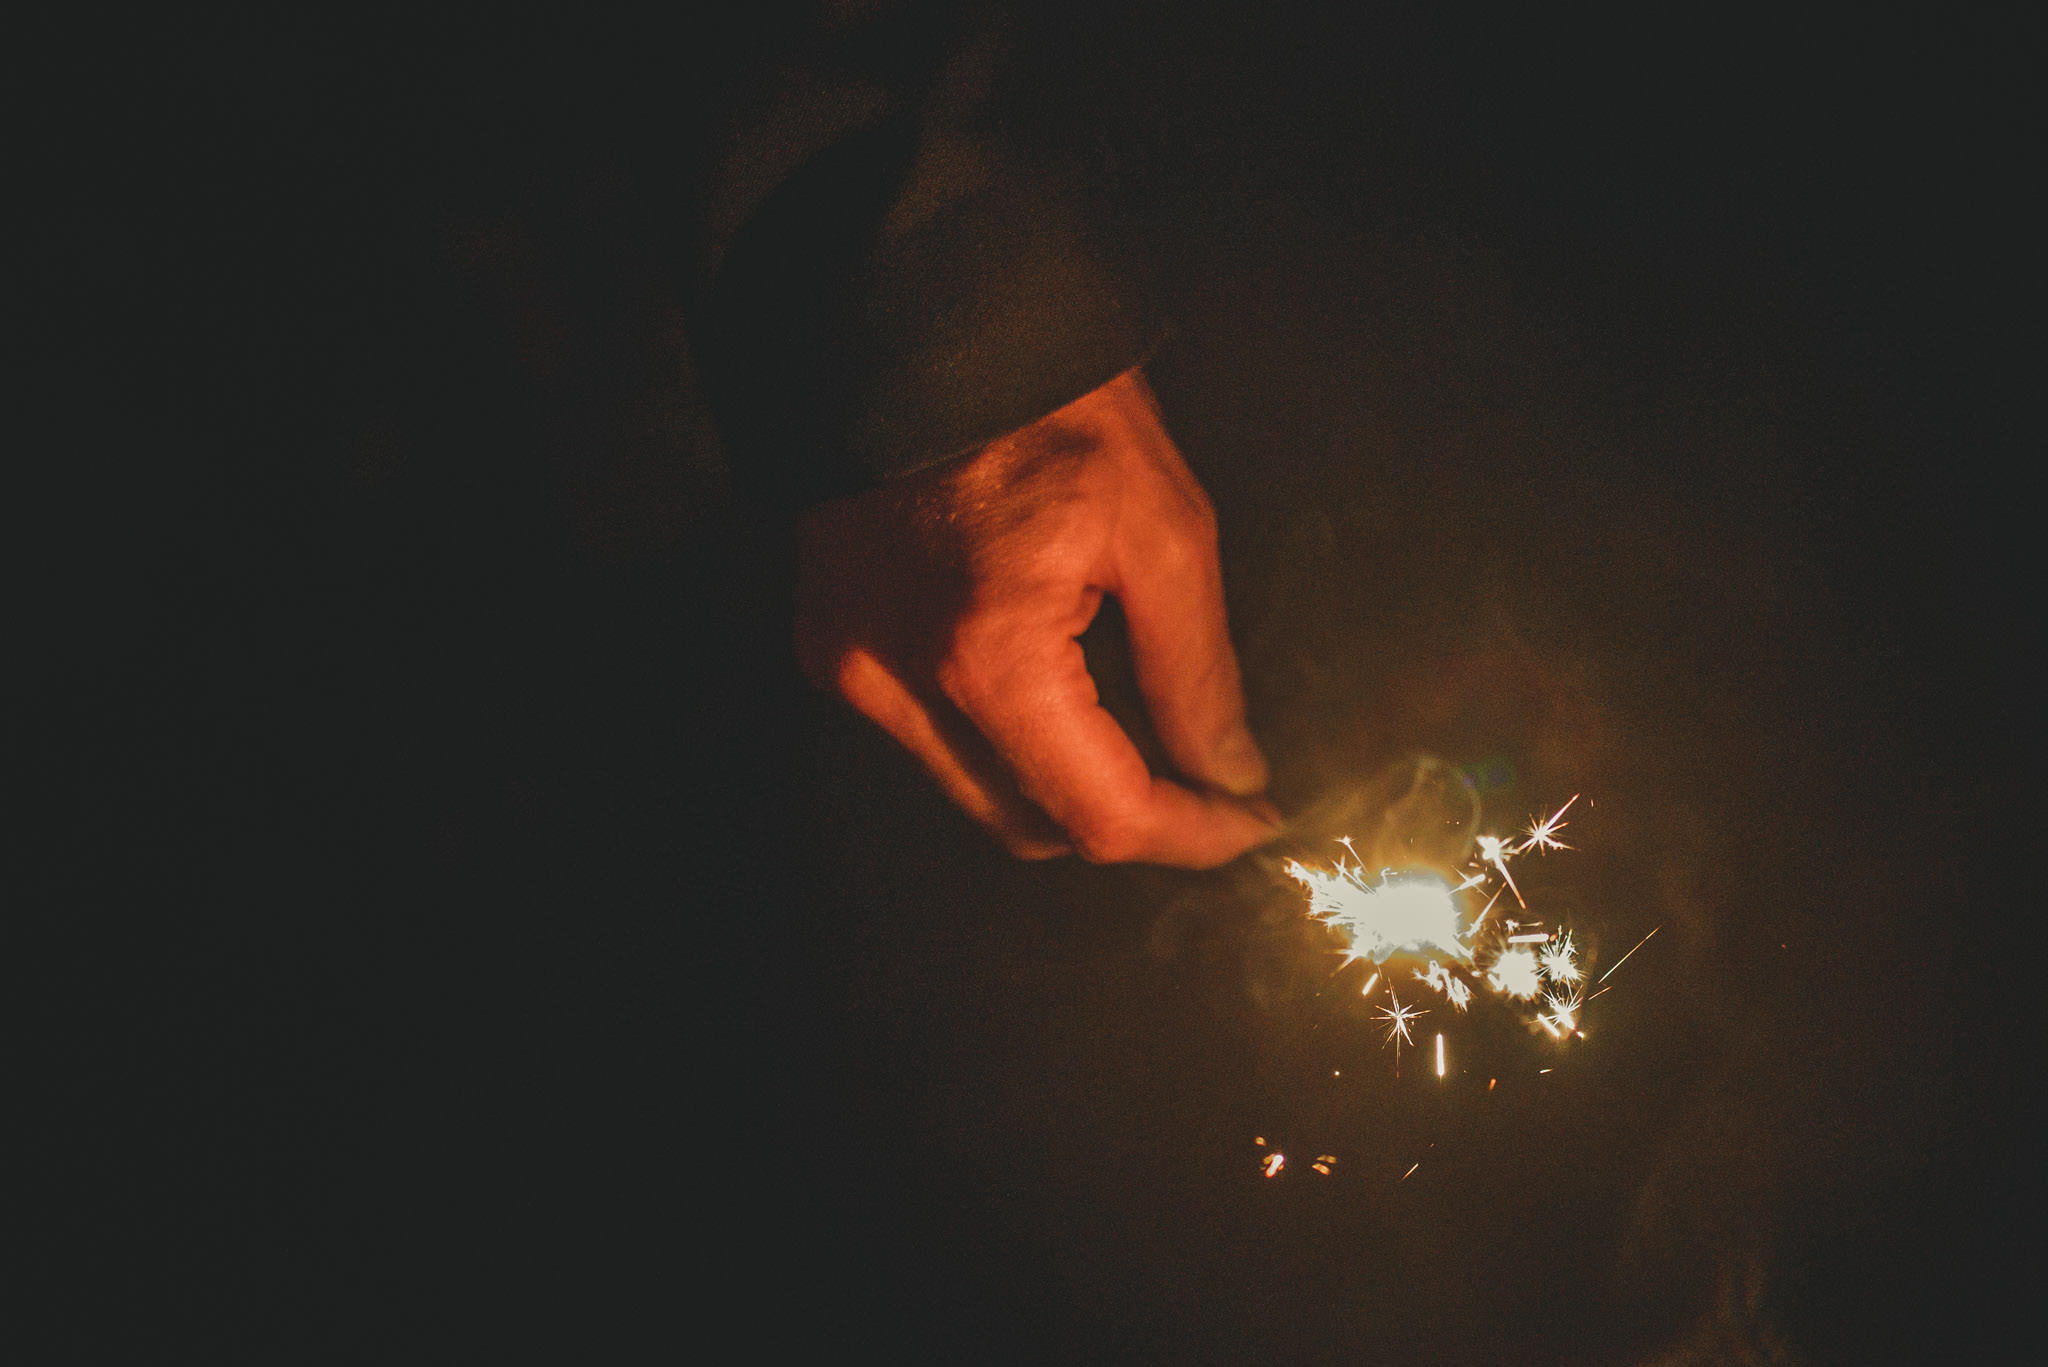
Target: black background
{"x": 444, "y": 920}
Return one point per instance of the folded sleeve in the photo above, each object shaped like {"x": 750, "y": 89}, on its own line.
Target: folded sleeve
{"x": 910, "y": 292}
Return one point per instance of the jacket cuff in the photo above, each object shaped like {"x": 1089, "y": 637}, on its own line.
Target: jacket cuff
{"x": 842, "y": 356}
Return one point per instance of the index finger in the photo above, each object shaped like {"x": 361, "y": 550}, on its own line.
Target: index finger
{"x": 1037, "y": 706}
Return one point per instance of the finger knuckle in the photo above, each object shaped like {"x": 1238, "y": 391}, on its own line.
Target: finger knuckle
{"x": 968, "y": 665}
{"x": 1111, "y": 837}
{"x": 960, "y": 677}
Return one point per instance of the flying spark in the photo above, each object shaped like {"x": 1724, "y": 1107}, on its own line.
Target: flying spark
{"x": 1543, "y": 834}
{"x": 1494, "y": 851}
{"x": 1444, "y": 981}
{"x": 1563, "y": 1016}
{"x": 1624, "y": 958}
{"x": 1558, "y": 960}
{"x": 1397, "y": 1018}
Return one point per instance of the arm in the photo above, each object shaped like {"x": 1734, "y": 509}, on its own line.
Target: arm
{"x": 925, "y": 333}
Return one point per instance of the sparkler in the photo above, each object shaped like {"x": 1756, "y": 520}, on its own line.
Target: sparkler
{"x": 1418, "y": 914}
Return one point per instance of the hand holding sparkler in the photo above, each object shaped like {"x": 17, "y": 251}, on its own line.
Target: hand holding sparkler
{"x": 946, "y": 608}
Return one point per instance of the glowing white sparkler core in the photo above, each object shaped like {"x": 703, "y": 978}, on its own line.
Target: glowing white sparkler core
{"x": 1412, "y": 915}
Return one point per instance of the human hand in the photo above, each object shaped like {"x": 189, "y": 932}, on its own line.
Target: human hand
{"x": 946, "y": 607}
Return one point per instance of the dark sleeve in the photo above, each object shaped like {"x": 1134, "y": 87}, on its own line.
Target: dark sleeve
{"x": 940, "y": 273}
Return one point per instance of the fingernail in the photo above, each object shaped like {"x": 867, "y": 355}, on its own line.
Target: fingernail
{"x": 1240, "y": 768}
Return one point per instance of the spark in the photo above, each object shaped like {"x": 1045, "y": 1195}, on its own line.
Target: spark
{"x": 1624, "y": 958}
{"x": 1558, "y": 962}
{"x": 1411, "y": 1170}
{"x": 1534, "y": 937}
{"x": 1273, "y": 1163}
{"x": 1444, "y": 981}
{"x": 1323, "y": 1168}
{"x": 1515, "y": 974}
{"x": 1563, "y": 1017}
{"x": 1491, "y": 850}
{"x": 1480, "y": 919}
{"x": 1370, "y": 983}
{"x": 1439, "y": 1053}
{"x": 1543, "y": 834}
{"x": 1397, "y": 1018}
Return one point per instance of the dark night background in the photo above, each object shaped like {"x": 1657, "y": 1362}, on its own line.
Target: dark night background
{"x": 438, "y": 918}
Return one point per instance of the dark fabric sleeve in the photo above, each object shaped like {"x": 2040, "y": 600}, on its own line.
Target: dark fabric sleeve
{"x": 862, "y": 326}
